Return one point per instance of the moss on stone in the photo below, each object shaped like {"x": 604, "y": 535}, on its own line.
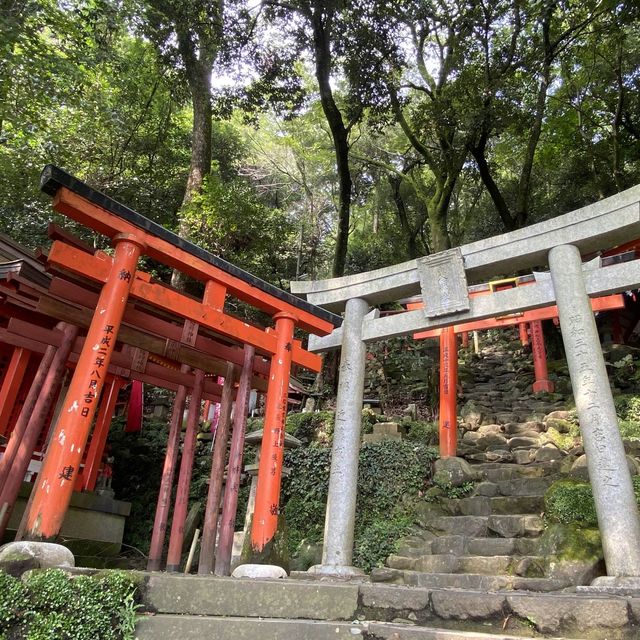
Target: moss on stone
{"x": 564, "y": 440}
{"x": 570, "y": 501}
{"x": 570, "y": 542}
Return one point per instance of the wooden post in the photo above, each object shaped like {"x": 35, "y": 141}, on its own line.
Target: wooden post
{"x": 542, "y": 382}
{"x": 448, "y": 392}
{"x": 184, "y": 480}
{"x": 60, "y": 467}
{"x": 100, "y": 434}
{"x": 11, "y": 385}
{"x": 23, "y": 448}
{"x": 166, "y": 484}
{"x": 210, "y": 526}
{"x": 524, "y": 334}
{"x": 265, "y": 517}
{"x": 230, "y": 503}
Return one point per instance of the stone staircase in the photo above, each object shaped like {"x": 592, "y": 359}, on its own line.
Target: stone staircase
{"x": 190, "y": 608}
{"x": 473, "y": 568}
{"x": 490, "y": 540}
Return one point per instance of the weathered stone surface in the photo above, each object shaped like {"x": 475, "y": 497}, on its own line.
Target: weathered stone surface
{"x": 514, "y": 526}
{"x": 475, "y": 506}
{"x": 214, "y": 596}
{"x": 259, "y": 571}
{"x": 489, "y": 565}
{"x": 488, "y": 429}
{"x": 471, "y": 413}
{"x": 385, "y": 574}
{"x": 524, "y": 443}
{"x": 457, "y": 581}
{"x": 547, "y": 453}
{"x": 575, "y": 571}
{"x": 394, "y": 597}
{"x": 523, "y": 456}
{"x": 402, "y": 632}
{"x": 449, "y": 544}
{"x": 445, "y": 563}
{"x": 454, "y": 471}
{"x": 580, "y": 471}
{"x": 461, "y": 605}
{"x": 400, "y": 562}
{"x": 552, "y": 614}
{"x": 20, "y": 556}
{"x": 486, "y": 489}
{"x": 491, "y": 440}
{"x": 171, "y": 627}
{"x": 474, "y": 526}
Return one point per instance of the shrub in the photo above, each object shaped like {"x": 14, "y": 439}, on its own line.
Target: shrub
{"x": 50, "y": 604}
{"x": 569, "y": 501}
{"x": 391, "y": 475}
{"x": 308, "y": 427}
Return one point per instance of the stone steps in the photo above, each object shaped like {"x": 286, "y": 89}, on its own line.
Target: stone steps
{"x": 437, "y": 606}
{"x": 476, "y": 564}
{"x": 504, "y": 526}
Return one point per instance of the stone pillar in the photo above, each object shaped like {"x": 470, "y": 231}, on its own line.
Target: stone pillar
{"x": 343, "y": 481}
{"x": 610, "y": 479}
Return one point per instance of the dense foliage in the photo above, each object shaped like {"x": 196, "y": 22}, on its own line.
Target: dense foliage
{"x": 301, "y": 139}
{"x": 51, "y": 604}
{"x": 391, "y": 474}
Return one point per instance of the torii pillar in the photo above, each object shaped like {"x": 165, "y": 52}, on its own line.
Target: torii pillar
{"x": 57, "y": 478}
{"x": 615, "y": 502}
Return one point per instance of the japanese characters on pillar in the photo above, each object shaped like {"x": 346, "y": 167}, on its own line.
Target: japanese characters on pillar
{"x": 265, "y": 517}
{"x": 448, "y": 392}
{"x": 542, "y": 382}
{"x": 60, "y": 467}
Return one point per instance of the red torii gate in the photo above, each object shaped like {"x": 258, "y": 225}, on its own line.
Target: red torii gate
{"x": 448, "y": 416}
{"x": 133, "y": 236}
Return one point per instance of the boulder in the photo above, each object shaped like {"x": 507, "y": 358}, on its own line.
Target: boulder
{"x": 580, "y": 470}
{"x": 548, "y": 453}
{"x": 20, "y": 556}
{"x": 471, "y": 413}
{"x": 453, "y": 471}
{"x": 259, "y": 571}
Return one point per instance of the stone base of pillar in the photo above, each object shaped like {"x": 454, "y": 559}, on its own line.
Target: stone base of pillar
{"x": 336, "y": 571}
{"x": 613, "y": 585}
{"x": 543, "y": 385}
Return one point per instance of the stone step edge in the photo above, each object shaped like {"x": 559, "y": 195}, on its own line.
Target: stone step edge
{"x": 154, "y": 628}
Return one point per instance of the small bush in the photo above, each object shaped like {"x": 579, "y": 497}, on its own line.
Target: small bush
{"x": 569, "y": 501}
{"x": 309, "y": 427}
{"x": 421, "y": 431}
{"x": 51, "y": 605}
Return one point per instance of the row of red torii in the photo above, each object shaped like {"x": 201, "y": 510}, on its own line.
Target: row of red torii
{"x": 450, "y": 307}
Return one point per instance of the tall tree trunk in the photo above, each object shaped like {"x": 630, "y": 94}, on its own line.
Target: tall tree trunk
{"x": 339, "y": 135}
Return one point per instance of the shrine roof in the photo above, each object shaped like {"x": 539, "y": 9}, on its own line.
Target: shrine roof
{"x": 53, "y": 178}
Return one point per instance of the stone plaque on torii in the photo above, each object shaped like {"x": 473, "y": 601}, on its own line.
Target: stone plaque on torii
{"x": 559, "y": 243}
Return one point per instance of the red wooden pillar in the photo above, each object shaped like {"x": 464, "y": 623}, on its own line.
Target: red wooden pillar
{"x": 448, "y": 392}
{"x": 23, "y": 448}
{"x": 265, "y": 516}
{"x": 184, "y": 479}
{"x": 17, "y": 434}
{"x": 210, "y": 526}
{"x": 465, "y": 339}
{"x": 524, "y": 334}
{"x": 56, "y": 480}
{"x": 542, "y": 382}
{"x": 100, "y": 433}
{"x": 11, "y": 384}
{"x": 230, "y": 502}
{"x": 166, "y": 484}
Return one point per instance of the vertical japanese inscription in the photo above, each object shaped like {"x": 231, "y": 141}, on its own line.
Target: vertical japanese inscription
{"x": 443, "y": 283}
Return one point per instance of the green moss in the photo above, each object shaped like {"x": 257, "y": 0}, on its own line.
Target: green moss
{"x": 564, "y": 441}
{"x": 570, "y": 542}
{"x": 421, "y": 431}
{"x": 51, "y": 604}
{"x": 570, "y": 501}
{"x": 309, "y": 427}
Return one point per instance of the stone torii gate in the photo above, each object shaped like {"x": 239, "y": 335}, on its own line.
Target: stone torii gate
{"x": 443, "y": 280}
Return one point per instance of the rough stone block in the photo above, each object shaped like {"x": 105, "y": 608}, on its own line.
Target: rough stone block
{"x": 548, "y": 453}
{"x": 445, "y": 563}
{"x": 210, "y": 596}
{"x": 448, "y": 545}
{"x": 454, "y": 471}
{"x": 20, "y": 556}
{"x": 400, "y": 562}
{"x": 394, "y": 597}
{"x": 463, "y": 605}
{"x": 554, "y": 613}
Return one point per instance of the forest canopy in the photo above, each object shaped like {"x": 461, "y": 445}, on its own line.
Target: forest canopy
{"x": 304, "y": 139}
